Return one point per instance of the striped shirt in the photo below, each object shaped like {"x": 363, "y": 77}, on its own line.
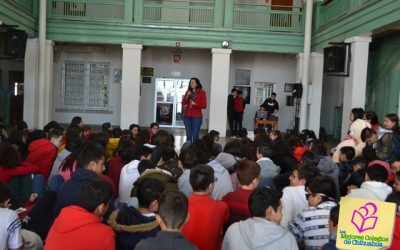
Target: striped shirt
{"x": 10, "y": 229}
{"x": 312, "y": 225}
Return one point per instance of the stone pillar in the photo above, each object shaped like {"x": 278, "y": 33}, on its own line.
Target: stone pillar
{"x": 31, "y": 79}
{"x": 130, "y": 89}
{"x": 355, "y": 84}
{"x": 316, "y": 76}
{"x": 48, "y": 88}
{"x": 219, "y": 90}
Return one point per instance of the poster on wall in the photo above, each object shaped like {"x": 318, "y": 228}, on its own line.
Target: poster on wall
{"x": 246, "y": 92}
{"x": 242, "y": 76}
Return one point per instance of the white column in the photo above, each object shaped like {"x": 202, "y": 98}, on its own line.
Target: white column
{"x": 304, "y": 79}
{"x": 219, "y": 90}
{"x": 42, "y": 109}
{"x": 317, "y": 62}
{"x": 48, "y": 88}
{"x": 31, "y": 79}
{"x": 355, "y": 84}
{"x": 130, "y": 90}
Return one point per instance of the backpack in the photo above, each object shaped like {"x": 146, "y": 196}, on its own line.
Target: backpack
{"x": 396, "y": 144}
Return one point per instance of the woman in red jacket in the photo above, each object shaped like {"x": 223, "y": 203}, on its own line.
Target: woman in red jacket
{"x": 193, "y": 102}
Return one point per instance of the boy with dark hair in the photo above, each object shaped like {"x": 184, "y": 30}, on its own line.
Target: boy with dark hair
{"x": 43, "y": 152}
{"x": 268, "y": 168}
{"x": 206, "y": 216}
{"x": 238, "y": 108}
{"x": 346, "y": 156}
{"x": 11, "y": 234}
{"x": 78, "y": 223}
{"x": 374, "y": 186}
{"x": 90, "y": 166}
{"x": 294, "y": 196}
{"x": 262, "y": 231}
{"x": 172, "y": 214}
{"x": 154, "y": 127}
{"x": 248, "y": 174}
{"x": 187, "y": 160}
{"x": 133, "y": 225}
{"x": 311, "y": 225}
{"x": 333, "y": 226}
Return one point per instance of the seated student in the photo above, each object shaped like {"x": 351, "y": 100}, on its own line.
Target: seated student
{"x": 11, "y": 234}
{"x": 374, "y": 186}
{"x": 43, "y": 152}
{"x": 370, "y": 137}
{"x": 154, "y": 127}
{"x": 311, "y": 225}
{"x": 325, "y": 164}
{"x": 187, "y": 160}
{"x": 172, "y": 214}
{"x": 262, "y": 230}
{"x": 395, "y": 198}
{"x": 122, "y": 158}
{"x": 80, "y": 226}
{"x": 268, "y": 168}
{"x": 333, "y": 226}
{"x": 73, "y": 142}
{"x": 396, "y": 183}
{"x": 206, "y": 216}
{"x": 90, "y": 166}
{"x": 294, "y": 197}
{"x": 129, "y": 173}
{"x": 248, "y": 174}
{"x": 112, "y": 144}
{"x": 345, "y": 167}
{"x": 132, "y": 225}
{"x": 298, "y": 147}
{"x": 169, "y": 162}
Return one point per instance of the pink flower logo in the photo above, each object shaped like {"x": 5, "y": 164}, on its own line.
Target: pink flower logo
{"x": 363, "y": 218}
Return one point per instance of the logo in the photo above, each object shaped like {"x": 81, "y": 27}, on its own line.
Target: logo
{"x": 363, "y": 218}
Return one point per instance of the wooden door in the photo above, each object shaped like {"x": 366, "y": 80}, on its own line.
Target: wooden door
{"x": 17, "y": 99}
{"x": 281, "y": 19}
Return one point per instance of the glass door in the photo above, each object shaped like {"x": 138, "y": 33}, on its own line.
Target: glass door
{"x": 168, "y": 98}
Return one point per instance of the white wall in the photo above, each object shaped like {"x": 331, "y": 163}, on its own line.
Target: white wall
{"x": 89, "y": 53}
{"x": 194, "y": 63}
{"x": 266, "y": 67}
{"x": 332, "y": 96}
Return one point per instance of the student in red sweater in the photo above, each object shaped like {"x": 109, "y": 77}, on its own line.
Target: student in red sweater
{"x": 207, "y": 217}
{"x": 43, "y": 152}
{"x": 80, "y": 226}
{"x": 248, "y": 174}
{"x": 395, "y": 198}
{"x": 193, "y": 102}
{"x": 238, "y": 109}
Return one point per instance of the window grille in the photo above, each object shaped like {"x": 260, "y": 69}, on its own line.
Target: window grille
{"x": 85, "y": 85}
{"x": 263, "y": 90}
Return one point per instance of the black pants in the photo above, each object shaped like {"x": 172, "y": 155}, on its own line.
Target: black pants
{"x": 230, "y": 121}
{"x": 237, "y": 122}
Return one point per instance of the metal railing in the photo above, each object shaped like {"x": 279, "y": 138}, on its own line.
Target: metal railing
{"x": 268, "y": 17}
{"x": 87, "y": 9}
{"x": 190, "y": 12}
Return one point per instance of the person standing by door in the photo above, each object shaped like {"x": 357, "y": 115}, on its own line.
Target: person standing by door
{"x": 238, "y": 108}
{"x": 231, "y": 98}
{"x": 193, "y": 102}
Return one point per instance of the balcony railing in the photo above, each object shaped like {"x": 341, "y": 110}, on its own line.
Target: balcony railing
{"x": 190, "y": 13}
{"x": 87, "y": 9}
{"x": 268, "y": 17}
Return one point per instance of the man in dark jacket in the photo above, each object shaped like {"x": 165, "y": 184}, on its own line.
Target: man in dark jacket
{"x": 231, "y": 98}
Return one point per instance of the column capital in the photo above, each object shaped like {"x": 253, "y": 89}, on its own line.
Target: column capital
{"x": 356, "y": 39}
{"x": 317, "y": 55}
{"x": 300, "y": 55}
{"x": 221, "y": 51}
{"x": 132, "y": 46}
